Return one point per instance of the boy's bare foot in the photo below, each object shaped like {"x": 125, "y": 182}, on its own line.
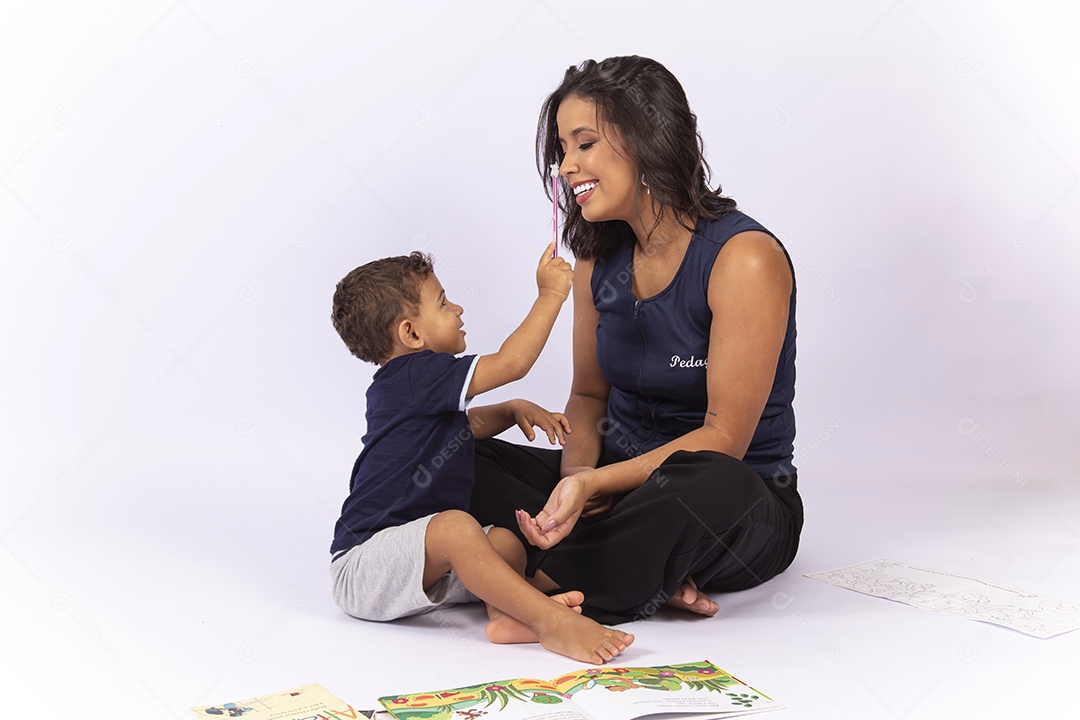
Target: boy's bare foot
{"x": 564, "y": 631}
{"x": 579, "y": 638}
{"x": 693, "y": 600}
{"x": 503, "y": 629}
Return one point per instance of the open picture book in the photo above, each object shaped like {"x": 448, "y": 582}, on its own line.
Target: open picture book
{"x": 695, "y": 691}
{"x": 303, "y": 703}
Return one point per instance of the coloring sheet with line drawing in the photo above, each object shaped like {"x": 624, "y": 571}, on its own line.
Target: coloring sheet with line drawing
{"x": 975, "y": 599}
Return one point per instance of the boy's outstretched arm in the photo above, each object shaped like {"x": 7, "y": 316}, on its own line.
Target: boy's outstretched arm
{"x": 518, "y": 353}
{"x": 487, "y": 421}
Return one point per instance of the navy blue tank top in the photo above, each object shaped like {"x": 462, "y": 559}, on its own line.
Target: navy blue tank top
{"x": 654, "y": 353}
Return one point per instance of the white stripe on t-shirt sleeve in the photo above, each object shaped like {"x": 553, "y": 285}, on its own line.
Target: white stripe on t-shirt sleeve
{"x": 463, "y": 402}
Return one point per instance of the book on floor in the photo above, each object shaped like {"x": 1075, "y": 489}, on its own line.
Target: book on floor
{"x": 695, "y": 691}
{"x": 303, "y": 703}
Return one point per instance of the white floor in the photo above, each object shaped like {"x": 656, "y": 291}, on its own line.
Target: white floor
{"x": 140, "y": 616}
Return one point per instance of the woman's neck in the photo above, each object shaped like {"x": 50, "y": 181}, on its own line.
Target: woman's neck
{"x": 653, "y": 238}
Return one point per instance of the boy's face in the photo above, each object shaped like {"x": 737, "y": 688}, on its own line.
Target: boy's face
{"x": 439, "y": 322}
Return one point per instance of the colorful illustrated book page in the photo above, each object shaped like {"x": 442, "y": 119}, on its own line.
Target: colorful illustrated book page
{"x": 304, "y": 703}
{"x": 695, "y": 691}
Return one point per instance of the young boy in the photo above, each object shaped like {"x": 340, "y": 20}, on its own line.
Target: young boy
{"x": 405, "y": 543}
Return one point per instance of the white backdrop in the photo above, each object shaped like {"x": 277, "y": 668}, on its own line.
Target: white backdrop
{"x": 181, "y": 186}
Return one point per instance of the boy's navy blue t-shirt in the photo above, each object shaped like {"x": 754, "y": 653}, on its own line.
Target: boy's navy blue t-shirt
{"x": 418, "y": 449}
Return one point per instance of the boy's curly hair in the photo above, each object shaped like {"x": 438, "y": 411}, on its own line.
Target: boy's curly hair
{"x": 370, "y": 301}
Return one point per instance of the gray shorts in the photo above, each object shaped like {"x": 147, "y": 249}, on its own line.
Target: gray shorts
{"x": 383, "y": 577}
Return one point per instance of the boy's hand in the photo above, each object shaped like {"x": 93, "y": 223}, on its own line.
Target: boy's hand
{"x": 554, "y": 275}
{"x": 528, "y": 415}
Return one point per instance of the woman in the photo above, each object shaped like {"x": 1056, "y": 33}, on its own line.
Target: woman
{"x": 677, "y": 477}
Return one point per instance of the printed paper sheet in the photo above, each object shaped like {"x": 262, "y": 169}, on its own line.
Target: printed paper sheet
{"x": 975, "y": 599}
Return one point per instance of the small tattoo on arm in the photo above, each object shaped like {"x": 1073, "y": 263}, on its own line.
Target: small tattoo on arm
{"x": 711, "y": 413}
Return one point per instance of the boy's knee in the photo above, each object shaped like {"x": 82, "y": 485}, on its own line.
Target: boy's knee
{"x": 455, "y": 522}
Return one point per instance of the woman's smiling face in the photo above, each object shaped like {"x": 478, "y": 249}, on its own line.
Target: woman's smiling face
{"x": 604, "y": 178}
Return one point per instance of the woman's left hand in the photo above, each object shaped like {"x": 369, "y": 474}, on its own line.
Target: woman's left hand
{"x": 559, "y": 515}
{"x": 597, "y": 505}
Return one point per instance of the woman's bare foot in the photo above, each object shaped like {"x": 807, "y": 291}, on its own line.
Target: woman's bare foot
{"x": 503, "y": 629}
{"x": 693, "y": 600}
{"x": 564, "y": 630}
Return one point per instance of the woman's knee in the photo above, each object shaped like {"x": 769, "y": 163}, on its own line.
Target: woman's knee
{"x": 706, "y": 473}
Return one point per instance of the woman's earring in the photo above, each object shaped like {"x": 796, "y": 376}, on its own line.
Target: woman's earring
{"x": 647, "y": 191}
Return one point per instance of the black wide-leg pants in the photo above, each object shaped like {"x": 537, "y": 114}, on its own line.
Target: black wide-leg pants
{"x": 700, "y": 514}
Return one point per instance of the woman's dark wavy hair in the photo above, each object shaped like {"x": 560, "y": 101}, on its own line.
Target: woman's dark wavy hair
{"x": 647, "y": 108}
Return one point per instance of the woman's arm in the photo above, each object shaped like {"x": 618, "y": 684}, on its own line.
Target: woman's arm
{"x": 749, "y": 295}
{"x": 589, "y": 390}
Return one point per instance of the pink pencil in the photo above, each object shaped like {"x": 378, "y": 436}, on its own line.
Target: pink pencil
{"x": 555, "y": 205}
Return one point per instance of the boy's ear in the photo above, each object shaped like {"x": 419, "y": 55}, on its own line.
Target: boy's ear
{"x": 408, "y": 336}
